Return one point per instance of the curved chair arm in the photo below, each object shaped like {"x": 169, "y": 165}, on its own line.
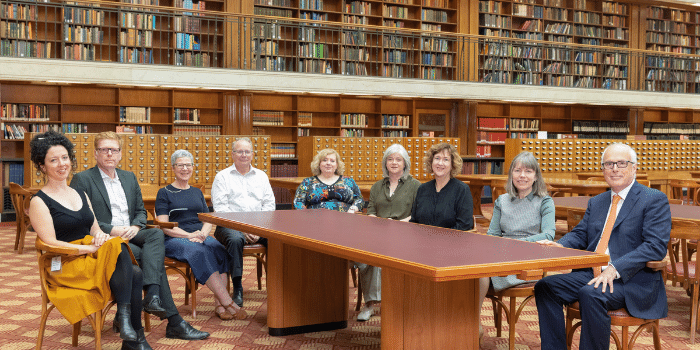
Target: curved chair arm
{"x": 41, "y": 245}
{"x": 657, "y": 265}
{"x": 164, "y": 224}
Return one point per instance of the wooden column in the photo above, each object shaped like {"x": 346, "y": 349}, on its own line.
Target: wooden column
{"x": 465, "y": 126}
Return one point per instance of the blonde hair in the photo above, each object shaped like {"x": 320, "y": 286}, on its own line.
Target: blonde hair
{"x": 529, "y": 161}
{"x": 108, "y": 135}
{"x": 456, "y": 158}
{"x": 322, "y": 154}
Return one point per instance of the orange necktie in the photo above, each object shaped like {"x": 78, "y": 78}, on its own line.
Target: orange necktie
{"x": 603, "y": 244}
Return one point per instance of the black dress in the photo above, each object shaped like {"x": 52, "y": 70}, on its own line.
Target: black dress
{"x": 452, "y": 207}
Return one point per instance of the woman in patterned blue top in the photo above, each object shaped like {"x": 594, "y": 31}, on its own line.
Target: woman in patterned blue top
{"x": 190, "y": 241}
{"x": 328, "y": 188}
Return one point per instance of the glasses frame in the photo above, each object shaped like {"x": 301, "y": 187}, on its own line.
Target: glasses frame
{"x": 183, "y": 166}
{"x": 106, "y": 150}
{"x": 619, "y": 164}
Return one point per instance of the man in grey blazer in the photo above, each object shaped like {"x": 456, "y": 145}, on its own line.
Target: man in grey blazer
{"x": 118, "y": 206}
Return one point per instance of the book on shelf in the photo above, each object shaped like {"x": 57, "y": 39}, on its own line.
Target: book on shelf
{"x": 493, "y": 123}
{"x": 197, "y": 130}
{"x": 282, "y": 150}
{"x": 13, "y": 172}
{"x": 268, "y": 118}
{"x": 304, "y": 119}
{"x": 186, "y": 116}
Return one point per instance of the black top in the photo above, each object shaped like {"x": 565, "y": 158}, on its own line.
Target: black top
{"x": 452, "y": 207}
{"x": 69, "y": 225}
{"x": 182, "y": 206}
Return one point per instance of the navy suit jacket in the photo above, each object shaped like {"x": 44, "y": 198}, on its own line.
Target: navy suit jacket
{"x": 640, "y": 234}
{"x": 90, "y": 182}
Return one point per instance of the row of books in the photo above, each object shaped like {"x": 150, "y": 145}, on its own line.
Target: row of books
{"x": 484, "y": 167}
{"x": 268, "y": 118}
{"x": 392, "y": 120}
{"x": 74, "y": 128}
{"x": 12, "y": 172}
{"x": 16, "y": 30}
{"x": 483, "y": 151}
{"x": 304, "y": 119}
{"x": 353, "y": 119}
{"x": 134, "y": 114}
{"x": 588, "y": 126}
{"x": 186, "y": 116}
{"x": 282, "y": 150}
{"x": 494, "y": 138}
{"x": 18, "y": 11}
{"x": 197, "y": 130}
{"x": 671, "y": 128}
{"x": 493, "y": 123}
{"x": 519, "y": 123}
{"x": 395, "y": 133}
{"x": 24, "y": 112}
{"x": 83, "y": 16}
{"x": 13, "y": 131}
{"x": 282, "y": 195}
{"x": 134, "y": 129}
{"x": 352, "y": 132}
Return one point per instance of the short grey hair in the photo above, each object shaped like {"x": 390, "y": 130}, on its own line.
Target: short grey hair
{"x": 241, "y": 139}
{"x": 397, "y": 148}
{"x": 181, "y": 153}
{"x": 623, "y": 146}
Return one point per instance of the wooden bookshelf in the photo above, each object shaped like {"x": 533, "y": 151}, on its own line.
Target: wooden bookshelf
{"x": 30, "y": 30}
{"x": 358, "y": 52}
{"x": 595, "y": 23}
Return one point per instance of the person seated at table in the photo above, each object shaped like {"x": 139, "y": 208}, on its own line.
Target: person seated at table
{"x": 63, "y": 217}
{"x": 632, "y": 224}
{"x": 190, "y": 241}
{"x": 328, "y": 188}
{"x": 392, "y": 198}
{"x": 444, "y": 201}
{"x": 525, "y": 212}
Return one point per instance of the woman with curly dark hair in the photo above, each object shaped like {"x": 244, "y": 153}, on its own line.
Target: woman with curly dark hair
{"x": 63, "y": 217}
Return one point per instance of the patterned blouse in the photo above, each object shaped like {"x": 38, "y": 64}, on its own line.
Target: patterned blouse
{"x": 340, "y": 196}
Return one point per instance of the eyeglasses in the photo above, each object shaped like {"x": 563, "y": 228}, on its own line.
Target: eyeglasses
{"x": 621, "y": 164}
{"x": 107, "y": 150}
{"x": 185, "y": 165}
{"x": 243, "y": 152}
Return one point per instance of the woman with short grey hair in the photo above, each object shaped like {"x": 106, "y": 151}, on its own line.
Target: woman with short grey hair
{"x": 392, "y": 198}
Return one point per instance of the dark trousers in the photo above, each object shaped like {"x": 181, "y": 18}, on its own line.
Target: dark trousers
{"x": 553, "y": 293}
{"x": 233, "y": 241}
{"x": 126, "y": 285}
{"x": 150, "y": 255}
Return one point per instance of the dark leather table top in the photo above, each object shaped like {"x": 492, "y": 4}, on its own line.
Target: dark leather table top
{"x": 433, "y": 252}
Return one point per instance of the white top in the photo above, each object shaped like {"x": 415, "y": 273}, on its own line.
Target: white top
{"x": 117, "y": 199}
{"x": 234, "y": 192}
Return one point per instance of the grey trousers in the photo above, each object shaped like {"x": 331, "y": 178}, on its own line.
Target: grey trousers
{"x": 371, "y": 281}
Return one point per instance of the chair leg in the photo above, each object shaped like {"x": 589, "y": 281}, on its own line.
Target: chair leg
{"x": 625, "y": 337}
{"x": 511, "y": 324}
{"x": 497, "y": 316}
{"x": 655, "y": 335}
{"x": 76, "y": 332}
{"x": 146, "y": 322}
{"x": 694, "y": 313}
{"x": 354, "y": 276}
{"x": 97, "y": 327}
{"x": 358, "y": 306}
{"x": 20, "y": 248}
{"x": 193, "y": 288}
{"x": 259, "y": 271}
{"x": 42, "y": 328}
{"x": 17, "y": 234}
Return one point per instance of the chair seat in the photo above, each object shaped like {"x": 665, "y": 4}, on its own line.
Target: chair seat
{"x": 619, "y": 313}
{"x": 679, "y": 268}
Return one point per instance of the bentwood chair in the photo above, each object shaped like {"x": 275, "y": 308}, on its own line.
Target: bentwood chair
{"x": 45, "y": 253}
{"x": 678, "y": 186}
{"x": 526, "y": 290}
{"x": 619, "y": 318}
{"x": 20, "y": 200}
{"x": 683, "y": 269}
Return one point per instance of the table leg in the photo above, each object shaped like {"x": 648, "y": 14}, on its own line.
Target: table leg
{"x": 307, "y": 290}
{"x": 421, "y": 314}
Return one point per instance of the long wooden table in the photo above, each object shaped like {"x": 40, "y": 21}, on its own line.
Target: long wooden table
{"x": 429, "y": 278}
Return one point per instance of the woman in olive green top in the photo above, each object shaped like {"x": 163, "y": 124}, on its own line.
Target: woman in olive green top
{"x": 392, "y": 198}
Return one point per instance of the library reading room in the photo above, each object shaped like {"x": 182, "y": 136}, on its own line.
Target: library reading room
{"x": 300, "y": 136}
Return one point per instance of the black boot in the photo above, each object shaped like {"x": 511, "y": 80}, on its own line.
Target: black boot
{"x": 140, "y": 344}
{"x": 122, "y": 322}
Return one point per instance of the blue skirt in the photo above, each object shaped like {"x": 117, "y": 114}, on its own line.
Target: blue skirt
{"x": 204, "y": 258}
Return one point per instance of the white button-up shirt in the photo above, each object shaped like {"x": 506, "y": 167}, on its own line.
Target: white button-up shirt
{"x": 235, "y": 192}
{"x": 117, "y": 199}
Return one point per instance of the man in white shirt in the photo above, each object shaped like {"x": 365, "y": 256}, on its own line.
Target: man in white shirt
{"x": 240, "y": 188}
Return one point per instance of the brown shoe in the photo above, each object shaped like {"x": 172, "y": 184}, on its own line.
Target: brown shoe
{"x": 240, "y": 314}
{"x": 225, "y": 315}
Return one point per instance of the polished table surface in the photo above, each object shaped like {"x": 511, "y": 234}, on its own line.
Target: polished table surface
{"x": 437, "y": 266}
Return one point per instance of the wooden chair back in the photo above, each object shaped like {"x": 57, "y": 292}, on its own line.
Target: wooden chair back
{"x": 21, "y": 197}
{"x": 573, "y": 217}
{"x": 498, "y": 187}
{"x": 675, "y": 201}
{"x": 677, "y": 186}
{"x": 682, "y": 269}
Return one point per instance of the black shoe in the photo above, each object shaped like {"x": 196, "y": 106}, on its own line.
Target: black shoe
{"x": 154, "y": 306}
{"x": 122, "y": 322}
{"x": 184, "y": 331}
{"x": 238, "y": 296}
{"x": 140, "y": 344}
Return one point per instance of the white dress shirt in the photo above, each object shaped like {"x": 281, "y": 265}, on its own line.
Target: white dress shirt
{"x": 235, "y": 192}
{"x": 117, "y": 199}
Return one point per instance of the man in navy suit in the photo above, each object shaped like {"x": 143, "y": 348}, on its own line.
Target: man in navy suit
{"x": 116, "y": 200}
{"x": 640, "y": 233}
